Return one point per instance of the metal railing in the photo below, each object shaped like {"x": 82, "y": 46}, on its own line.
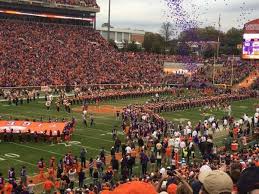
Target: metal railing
{"x": 88, "y": 86}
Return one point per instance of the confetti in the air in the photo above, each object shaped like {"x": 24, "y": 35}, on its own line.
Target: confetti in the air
{"x": 188, "y": 14}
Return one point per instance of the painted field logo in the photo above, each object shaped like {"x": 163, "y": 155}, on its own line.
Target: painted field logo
{"x": 69, "y": 144}
{"x": 180, "y": 119}
{"x": 9, "y": 155}
{"x": 206, "y": 114}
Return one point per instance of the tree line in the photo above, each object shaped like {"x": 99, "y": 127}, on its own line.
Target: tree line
{"x": 201, "y": 41}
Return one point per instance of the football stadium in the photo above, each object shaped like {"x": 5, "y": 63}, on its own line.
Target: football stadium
{"x": 96, "y": 109}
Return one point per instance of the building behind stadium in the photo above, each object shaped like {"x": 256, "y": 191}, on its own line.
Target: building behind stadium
{"x": 121, "y": 36}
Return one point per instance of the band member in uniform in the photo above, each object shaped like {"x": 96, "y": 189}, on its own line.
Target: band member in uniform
{"x": 20, "y": 136}
{"x": 68, "y": 106}
{"x": 84, "y": 119}
{"x": 21, "y": 99}
{"x": 114, "y": 133}
{"x": 11, "y": 136}
{"x": 117, "y": 115}
{"x": 58, "y": 105}
{"x": 35, "y": 136}
{"x": 68, "y": 162}
{"x": 91, "y": 120}
{"x": 5, "y": 135}
{"x": 58, "y": 136}
{"x": 66, "y": 133}
{"x": 50, "y": 137}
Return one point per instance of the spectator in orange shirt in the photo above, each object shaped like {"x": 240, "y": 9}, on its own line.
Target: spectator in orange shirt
{"x": 168, "y": 152}
{"x": 48, "y": 186}
{"x": 8, "y": 188}
{"x": 57, "y": 184}
{"x": 235, "y": 132}
{"x": 1, "y": 184}
{"x": 51, "y": 173}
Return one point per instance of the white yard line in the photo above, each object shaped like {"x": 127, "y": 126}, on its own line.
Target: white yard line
{"x": 82, "y": 146}
{"x": 21, "y": 161}
{"x": 30, "y": 147}
{"x": 94, "y": 129}
{"x": 91, "y": 137}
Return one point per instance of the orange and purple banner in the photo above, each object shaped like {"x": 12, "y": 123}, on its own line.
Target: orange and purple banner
{"x": 24, "y": 126}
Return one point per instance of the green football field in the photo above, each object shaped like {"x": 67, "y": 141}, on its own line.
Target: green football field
{"x": 16, "y": 154}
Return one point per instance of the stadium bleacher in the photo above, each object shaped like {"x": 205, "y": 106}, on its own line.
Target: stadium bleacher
{"x": 53, "y": 54}
{"x": 35, "y": 54}
{"x": 80, "y": 3}
{"x": 86, "y": 3}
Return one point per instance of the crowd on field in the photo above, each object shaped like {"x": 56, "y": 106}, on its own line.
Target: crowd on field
{"x": 158, "y": 155}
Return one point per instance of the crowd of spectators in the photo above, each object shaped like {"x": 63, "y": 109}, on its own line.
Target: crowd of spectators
{"x": 83, "y": 3}
{"x": 222, "y": 74}
{"x": 86, "y": 3}
{"x": 256, "y": 84}
{"x": 178, "y": 79}
{"x": 184, "y": 59}
{"x": 36, "y": 54}
{"x": 240, "y": 72}
{"x": 203, "y": 75}
{"x": 53, "y": 54}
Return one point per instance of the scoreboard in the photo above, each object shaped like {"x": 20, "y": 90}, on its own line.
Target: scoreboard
{"x": 251, "y": 40}
{"x": 251, "y": 46}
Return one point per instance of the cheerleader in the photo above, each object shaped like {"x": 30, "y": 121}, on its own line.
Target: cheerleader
{"x": 41, "y": 166}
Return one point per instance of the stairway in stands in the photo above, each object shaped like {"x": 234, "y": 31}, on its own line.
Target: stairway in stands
{"x": 249, "y": 80}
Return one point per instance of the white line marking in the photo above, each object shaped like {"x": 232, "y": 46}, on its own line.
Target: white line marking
{"x": 90, "y": 137}
{"x": 37, "y": 149}
{"x": 69, "y": 145}
{"x": 93, "y": 129}
{"x": 82, "y": 146}
{"x": 21, "y": 161}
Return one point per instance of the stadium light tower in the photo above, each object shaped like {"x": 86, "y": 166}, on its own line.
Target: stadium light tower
{"x": 218, "y": 45}
{"x": 109, "y": 20}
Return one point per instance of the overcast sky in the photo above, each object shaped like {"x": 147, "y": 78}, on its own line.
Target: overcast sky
{"x": 148, "y": 15}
